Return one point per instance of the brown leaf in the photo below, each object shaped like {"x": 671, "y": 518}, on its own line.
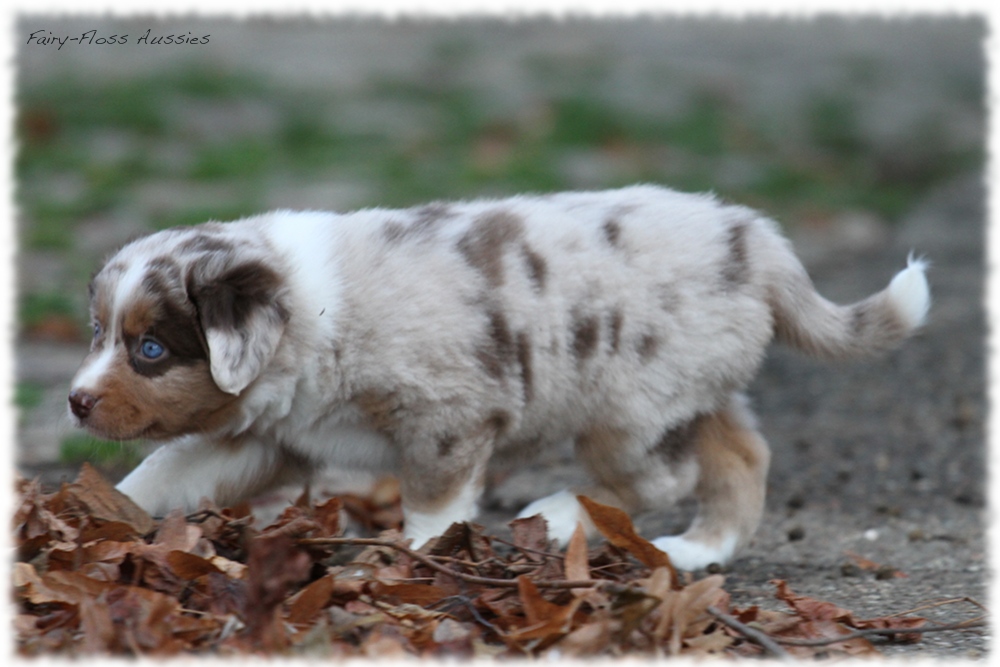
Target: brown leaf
{"x": 190, "y": 567}
{"x": 96, "y": 626}
{"x": 420, "y": 594}
{"x": 328, "y": 517}
{"x": 57, "y": 586}
{"x": 105, "y": 502}
{"x": 273, "y": 566}
{"x": 576, "y": 563}
{"x": 818, "y": 610}
{"x": 546, "y": 620}
{"x": 588, "y": 640}
{"x": 712, "y": 643}
{"x": 828, "y": 629}
{"x": 616, "y": 526}
{"x": 176, "y": 534}
{"x": 806, "y": 607}
{"x": 118, "y": 531}
{"x": 530, "y": 533}
{"x": 536, "y": 607}
{"x": 862, "y": 562}
{"x": 691, "y": 604}
{"x": 307, "y": 603}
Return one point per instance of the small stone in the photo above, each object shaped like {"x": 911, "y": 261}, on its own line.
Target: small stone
{"x": 796, "y": 534}
{"x": 917, "y": 535}
{"x": 713, "y": 568}
{"x": 849, "y": 570}
{"x": 796, "y": 502}
{"x": 890, "y": 510}
{"x": 450, "y": 631}
{"x": 885, "y": 572}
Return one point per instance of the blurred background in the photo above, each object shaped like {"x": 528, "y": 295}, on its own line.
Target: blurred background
{"x": 836, "y": 127}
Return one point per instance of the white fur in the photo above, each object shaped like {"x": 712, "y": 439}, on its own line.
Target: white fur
{"x": 422, "y": 526}
{"x": 688, "y": 555}
{"x": 561, "y": 511}
{"x": 910, "y": 293}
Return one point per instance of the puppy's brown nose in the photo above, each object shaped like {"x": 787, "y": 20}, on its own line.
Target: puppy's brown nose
{"x": 81, "y": 403}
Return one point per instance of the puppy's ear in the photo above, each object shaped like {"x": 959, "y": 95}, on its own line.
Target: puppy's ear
{"x": 240, "y": 308}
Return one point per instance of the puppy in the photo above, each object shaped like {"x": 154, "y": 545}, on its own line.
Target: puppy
{"x": 425, "y": 341}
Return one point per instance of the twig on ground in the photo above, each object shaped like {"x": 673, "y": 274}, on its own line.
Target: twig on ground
{"x": 977, "y": 622}
{"x": 756, "y": 636}
{"x": 939, "y": 603}
{"x": 470, "y": 578}
{"x": 547, "y": 554}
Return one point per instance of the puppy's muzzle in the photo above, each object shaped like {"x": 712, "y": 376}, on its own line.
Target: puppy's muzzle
{"x": 81, "y": 403}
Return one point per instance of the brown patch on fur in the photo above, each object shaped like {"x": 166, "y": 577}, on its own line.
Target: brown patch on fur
{"x": 612, "y": 232}
{"x": 429, "y": 216}
{"x": 498, "y": 422}
{"x": 394, "y": 231}
{"x": 733, "y": 460}
{"x": 100, "y": 314}
{"x": 162, "y": 315}
{"x": 498, "y": 352}
{"x": 736, "y": 270}
{"x": 677, "y": 443}
{"x": 524, "y": 360}
{"x": 202, "y": 242}
{"x": 875, "y": 324}
{"x": 647, "y": 346}
{"x": 616, "y": 321}
{"x": 538, "y": 268}
{"x": 181, "y": 401}
{"x": 380, "y": 409}
{"x": 484, "y": 244}
{"x": 599, "y": 448}
{"x": 226, "y": 301}
{"x": 586, "y": 333}
{"x": 426, "y": 219}
{"x": 446, "y": 444}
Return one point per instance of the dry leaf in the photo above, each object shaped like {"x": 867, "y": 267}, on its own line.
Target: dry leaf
{"x": 617, "y": 527}
{"x": 307, "y": 603}
{"x": 532, "y": 534}
{"x": 92, "y": 577}
{"x": 105, "y": 502}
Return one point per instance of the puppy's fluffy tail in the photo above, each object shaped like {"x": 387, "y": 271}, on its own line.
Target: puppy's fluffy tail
{"x": 815, "y": 325}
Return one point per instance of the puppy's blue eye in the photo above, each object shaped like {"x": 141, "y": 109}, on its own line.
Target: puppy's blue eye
{"x": 97, "y": 329}
{"x": 151, "y": 349}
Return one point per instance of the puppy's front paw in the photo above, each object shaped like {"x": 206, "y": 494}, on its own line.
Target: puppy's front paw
{"x": 561, "y": 511}
{"x": 687, "y": 554}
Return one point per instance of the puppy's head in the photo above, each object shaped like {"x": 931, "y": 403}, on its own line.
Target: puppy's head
{"x": 184, "y": 320}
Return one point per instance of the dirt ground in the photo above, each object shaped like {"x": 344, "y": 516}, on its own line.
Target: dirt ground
{"x": 883, "y": 458}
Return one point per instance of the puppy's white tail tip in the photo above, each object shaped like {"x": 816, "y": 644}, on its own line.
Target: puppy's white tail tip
{"x": 909, "y": 292}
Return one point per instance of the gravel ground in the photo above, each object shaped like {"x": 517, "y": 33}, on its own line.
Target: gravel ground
{"x": 883, "y": 458}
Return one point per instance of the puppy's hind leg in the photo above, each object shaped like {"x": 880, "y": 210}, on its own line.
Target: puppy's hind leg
{"x": 733, "y": 460}
{"x": 630, "y": 471}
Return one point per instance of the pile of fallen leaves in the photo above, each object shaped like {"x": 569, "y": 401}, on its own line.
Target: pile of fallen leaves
{"x": 94, "y": 574}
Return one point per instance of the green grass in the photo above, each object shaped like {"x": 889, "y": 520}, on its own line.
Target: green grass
{"x": 829, "y": 166}
{"x": 36, "y": 307}
{"x": 192, "y": 216}
{"x": 80, "y": 448}
{"x": 28, "y": 395}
